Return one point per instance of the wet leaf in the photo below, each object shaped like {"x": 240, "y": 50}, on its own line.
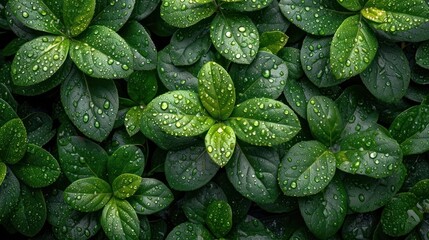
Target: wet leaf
{"x": 353, "y": 48}
{"x": 291, "y": 56}
{"x": 39, "y": 59}
{"x": 189, "y": 231}
{"x": 270, "y": 18}
{"x": 133, "y": 119}
{"x": 102, "y": 53}
{"x": 246, "y": 5}
{"x": 9, "y": 195}
{"x": 13, "y": 141}
{"x": 352, "y": 5}
{"x": 251, "y": 228}
{"x": 359, "y": 226}
{"x": 298, "y": 93}
{"x": 220, "y": 143}
{"x": 422, "y": 55}
{"x": 88, "y": 194}
{"x": 144, "y": 8}
{"x": 142, "y": 86}
{"x": 235, "y": 37}
{"x": 273, "y": 41}
{"x": 113, "y": 14}
{"x": 119, "y": 220}
{"x": 77, "y": 15}
{"x": 264, "y": 122}
{"x": 219, "y": 217}
{"x": 3, "y": 172}
{"x": 187, "y": 13}
{"x": 125, "y": 185}
{"x": 39, "y": 128}
{"x": 421, "y": 189}
{"x": 306, "y": 169}
{"x": 126, "y": 159}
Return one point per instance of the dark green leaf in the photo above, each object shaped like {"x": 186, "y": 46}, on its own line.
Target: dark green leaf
{"x": 291, "y": 56}
{"x": 283, "y": 204}
{"x": 270, "y": 19}
{"x": 421, "y": 189}
{"x": 141, "y": 45}
{"x": 91, "y": 104}
{"x": 417, "y": 170}
{"x": 88, "y": 194}
{"x": 125, "y": 185}
{"x": 113, "y": 14}
{"x": 30, "y": 213}
{"x": 81, "y": 158}
{"x": 133, "y": 119}
{"x": 273, "y": 41}
{"x": 352, "y": 5}
{"x": 126, "y": 159}
{"x": 324, "y": 119}
{"x": 39, "y": 59}
{"x": 298, "y": 94}
{"x": 151, "y": 196}
{"x": 120, "y": 221}
{"x": 38, "y": 168}
{"x": 18, "y": 27}
{"x": 245, "y": 6}
{"x": 77, "y": 15}
{"x": 359, "y": 226}
{"x": 13, "y": 141}
{"x": 371, "y": 153}
{"x": 253, "y": 172}
{"x": 367, "y": 194}
{"x": 422, "y": 55}
{"x": 6, "y": 95}
{"x": 264, "y": 122}
{"x": 318, "y": 18}
{"x": 3, "y": 172}
{"x": 219, "y": 217}
{"x": 235, "y": 37}
{"x": 145, "y": 229}
{"x": 220, "y": 143}
{"x": 306, "y": 169}
{"x": 185, "y": 14}
{"x": 9, "y": 195}
{"x": 189, "y": 169}
{"x": 189, "y": 231}
{"x": 325, "y": 212}
{"x": 36, "y": 15}
{"x": 410, "y": 129}
{"x": 388, "y": 76}
{"x": 39, "y": 128}
{"x": 401, "y": 215}
{"x": 265, "y": 77}
{"x": 144, "y": 8}
{"x": 180, "y": 113}
{"x": 142, "y": 86}
{"x": 353, "y": 48}
{"x": 251, "y": 229}
{"x": 102, "y": 53}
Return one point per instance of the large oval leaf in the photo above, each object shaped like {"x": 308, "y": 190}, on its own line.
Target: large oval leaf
{"x": 220, "y": 143}
{"x": 113, "y": 14}
{"x": 126, "y": 159}
{"x": 120, "y": 221}
{"x": 88, "y": 194}
{"x": 77, "y": 15}
{"x": 9, "y": 195}
{"x": 184, "y": 14}
{"x": 13, "y": 141}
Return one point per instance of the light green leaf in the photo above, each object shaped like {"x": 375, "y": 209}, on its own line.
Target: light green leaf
{"x": 3, "y": 172}
{"x": 39, "y": 59}
{"x": 102, "y": 53}
{"x": 216, "y": 90}
{"x": 113, "y": 14}
{"x": 264, "y": 122}
{"x": 235, "y": 37}
{"x": 77, "y": 14}
{"x": 120, "y": 221}
{"x": 13, "y": 141}
{"x": 352, "y": 5}
{"x": 306, "y": 169}
{"x": 187, "y": 13}
{"x": 88, "y": 194}
{"x": 126, "y": 159}
{"x": 220, "y": 143}
{"x": 132, "y": 120}
{"x": 353, "y": 48}
{"x": 273, "y": 41}
{"x": 125, "y": 185}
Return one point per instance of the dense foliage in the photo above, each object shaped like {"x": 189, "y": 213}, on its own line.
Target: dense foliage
{"x": 214, "y": 119}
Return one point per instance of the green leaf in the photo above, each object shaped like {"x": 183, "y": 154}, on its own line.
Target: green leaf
{"x": 151, "y": 196}
{"x": 216, "y": 90}
{"x": 352, "y": 5}
{"x": 265, "y": 77}
{"x": 219, "y": 217}
{"x": 7, "y": 113}
{"x": 142, "y": 86}
{"x": 298, "y": 93}
{"x": 39, "y": 128}
{"x": 401, "y": 215}
{"x": 270, "y": 18}
{"x": 37, "y": 15}
{"x": 410, "y": 129}
{"x": 283, "y": 204}
{"x": 119, "y": 220}
{"x": 417, "y": 170}
{"x": 253, "y": 172}
{"x": 306, "y": 169}
{"x": 13, "y": 141}
{"x": 422, "y": 55}
{"x": 125, "y": 185}
{"x": 324, "y": 213}
{"x": 77, "y": 15}
{"x": 291, "y": 56}
{"x": 401, "y": 21}
{"x": 353, "y": 48}
{"x": 420, "y": 189}
{"x": 126, "y": 159}
{"x": 9, "y": 195}
{"x": 180, "y": 113}
{"x": 102, "y": 53}
{"x": 315, "y": 60}
{"x": 388, "y": 76}
{"x": 235, "y": 37}
{"x": 144, "y": 8}
{"x": 132, "y": 120}
{"x": 91, "y": 104}
{"x": 361, "y": 226}
{"x": 367, "y": 194}
{"x": 245, "y": 6}
{"x": 273, "y": 41}
{"x": 141, "y": 45}
{"x": 88, "y": 194}
{"x": 6, "y": 95}
{"x": 185, "y": 14}
{"x": 3, "y": 172}
{"x": 39, "y": 59}
{"x": 220, "y": 143}
{"x": 189, "y": 231}
{"x": 264, "y": 122}
{"x": 371, "y": 153}
{"x": 30, "y": 214}
{"x": 113, "y": 14}
{"x": 317, "y": 18}
{"x": 81, "y": 158}
{"x": 324, "y": 119}
{"x": 189, "y": 169}
{"x": 38, "y": 168}
{"x": 251, "y": 228}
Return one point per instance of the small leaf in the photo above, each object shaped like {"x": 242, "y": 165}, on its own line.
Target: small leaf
{"x": 235, "y": 37}
{"x": 132, "y": 120}
{"x": 142, "y": 86}
{"x": 270, "y": 18}
{"x": 102, "y": 53}
{"x": 251, "y": 228}
{"x": 245, "y": 6}
{"x": 13, "y": 141}
{"x": 126, "y": 159}
{"x": 151, "y": 196}
{"x": 264, "y": 122}
{"x": 189, "y": 231}
{"x": 324, "y": 119}
{"x": 291, "y": 56}
{"x": 125, "y": 185}
{"x": 113, "y": 14}
{"x": 39, "y": 59}
{"x": 3, "y": 172}
{"x": 9, "y": 195}
{"x": 273, "y": 41}
{"x": 77, "y": 15}
{"x": 88, "y": 194}
{"x": 220, "y": 143}
{"x": 144, "y": 8}
{"x": 422, "y": 55}
{"x": 216, "y": 90}
{"x": 353, "y": 48}
{"x": 187, "y": 13}
{"x": 421, "y": 189}
{"x": 219, "y": 217}
{"x": 306, "y": 169}
{"x": 352, "y": 5}
{"x": 298, "y": 93}
{"x": 360, "y": 225}
{"x": 119, "y": 220}
{"x": 39, "y": 128}
{"x": 7, "y": 113}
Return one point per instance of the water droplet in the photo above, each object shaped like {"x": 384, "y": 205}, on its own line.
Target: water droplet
{"x": 25, "y": 14}
{"x": 85, "y": 118}
{"x": 293, "y": 185}
{"x": 164, "y": 105}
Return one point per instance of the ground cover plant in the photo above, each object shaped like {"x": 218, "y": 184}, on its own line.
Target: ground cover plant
{"x": 214, "y": 119}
